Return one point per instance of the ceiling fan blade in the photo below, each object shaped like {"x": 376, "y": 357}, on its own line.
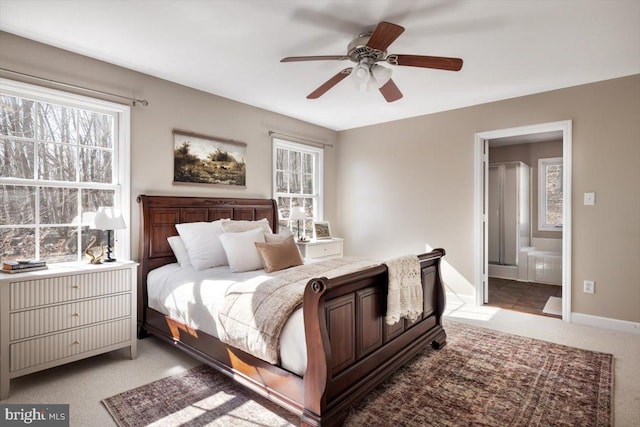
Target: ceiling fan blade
{"x": 438, "y": 62}
{"x": 329, "y": 84}
{"x": 314, "y": 58}
{"x": 384, "y": 34}
{"x": 390, "y": 91}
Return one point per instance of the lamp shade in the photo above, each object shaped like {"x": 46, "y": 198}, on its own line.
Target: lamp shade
{"x": 360, "y": 75}
{"x": 379, "y": 76}
{"x": 298, "y": 214}
{"x": 108, "y": 218}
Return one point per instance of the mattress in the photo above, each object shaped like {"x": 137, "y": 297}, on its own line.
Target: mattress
{"x": 195, "y": 298}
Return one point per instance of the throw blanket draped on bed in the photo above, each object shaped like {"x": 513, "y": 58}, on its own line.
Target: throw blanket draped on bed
{"x": 255, "y": 311}
{"x": 404, "y": 298}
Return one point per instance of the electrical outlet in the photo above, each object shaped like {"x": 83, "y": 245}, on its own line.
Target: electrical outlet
{"x": 589, "y": 286}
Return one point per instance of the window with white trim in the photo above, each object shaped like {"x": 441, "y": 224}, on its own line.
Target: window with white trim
{"x": 61, "y": 157}
{"x": 297, "y": 181}
{"x": 550, "y": 194}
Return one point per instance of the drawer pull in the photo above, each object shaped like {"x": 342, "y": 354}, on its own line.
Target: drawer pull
{"x": 75, "y": 287}
{"x": 76, "y": 314}
{"x": 76, "y": 342}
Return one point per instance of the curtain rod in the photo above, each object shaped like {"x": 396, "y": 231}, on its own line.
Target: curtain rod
{"x": 299, "y": 139}
{"x": 135, "y": 101}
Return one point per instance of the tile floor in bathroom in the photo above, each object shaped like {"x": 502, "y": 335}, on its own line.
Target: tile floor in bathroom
{"x": 526, "y": 297}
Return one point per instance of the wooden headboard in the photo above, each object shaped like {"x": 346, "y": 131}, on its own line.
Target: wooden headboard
{"x": 160, "y": 214}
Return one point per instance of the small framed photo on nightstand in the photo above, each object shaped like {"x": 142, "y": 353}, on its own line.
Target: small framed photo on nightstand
{"x": 322, "y": 230}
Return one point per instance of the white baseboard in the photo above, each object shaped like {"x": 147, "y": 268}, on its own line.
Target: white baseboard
{"x": 455, "y": 301}
{"x": 606, "y": 323}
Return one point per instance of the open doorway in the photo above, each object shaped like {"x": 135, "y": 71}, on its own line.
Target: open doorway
{"x": 520, "y": 241}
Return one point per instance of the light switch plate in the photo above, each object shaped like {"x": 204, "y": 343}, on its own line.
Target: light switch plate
{"x": 589, "y": 199}
{"x": 589, "y": 286}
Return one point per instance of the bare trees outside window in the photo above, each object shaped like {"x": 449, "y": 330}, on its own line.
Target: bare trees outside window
{"x": 550, "y": 194}
{"x": 297, "y": 181}
{"x": 56, "y": 163}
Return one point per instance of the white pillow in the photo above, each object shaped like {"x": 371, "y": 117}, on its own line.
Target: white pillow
{"x": 240, "y": 226}
{"x": 179, "y": 250}
{"x": 277, "y": 238}
{"x": 202, "y": 240}
{"x": 241, "y": 250}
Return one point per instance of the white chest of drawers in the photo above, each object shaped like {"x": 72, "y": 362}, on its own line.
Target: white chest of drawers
{"x": 63, "y": 314}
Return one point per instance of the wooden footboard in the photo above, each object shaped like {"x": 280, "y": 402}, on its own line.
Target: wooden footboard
{"x": 350, "y": 349}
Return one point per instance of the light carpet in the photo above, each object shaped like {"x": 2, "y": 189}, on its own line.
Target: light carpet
{"x": 482, "y": 377}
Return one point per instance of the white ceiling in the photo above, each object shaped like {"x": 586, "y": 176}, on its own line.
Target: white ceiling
{"x": 232, "y": 48}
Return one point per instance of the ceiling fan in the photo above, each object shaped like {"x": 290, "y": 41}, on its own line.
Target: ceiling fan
{"x": 366, "y": 51}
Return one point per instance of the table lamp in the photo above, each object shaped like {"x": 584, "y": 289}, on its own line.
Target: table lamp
{"x": 109, "y": 219}
{"x": 297, "y": 214}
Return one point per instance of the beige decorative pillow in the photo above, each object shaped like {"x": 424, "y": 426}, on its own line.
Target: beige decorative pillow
{"x": 280, "y": 255}
{"x": 241, "y": 226}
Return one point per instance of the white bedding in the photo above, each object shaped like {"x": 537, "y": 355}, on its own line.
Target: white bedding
{"x": 194, "y": 298}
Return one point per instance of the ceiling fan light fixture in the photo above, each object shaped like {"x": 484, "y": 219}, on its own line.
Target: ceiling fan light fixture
{"x": 361, "y": 75}
{"x": 379, "y": 76}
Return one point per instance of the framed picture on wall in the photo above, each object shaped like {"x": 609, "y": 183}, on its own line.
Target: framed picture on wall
{"x": 322, "y": 230}
{"x": 201, "y": 159}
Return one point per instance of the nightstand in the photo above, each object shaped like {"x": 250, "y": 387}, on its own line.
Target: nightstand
{"x": 321, "y": 248}
{"x": 68, "y": 312}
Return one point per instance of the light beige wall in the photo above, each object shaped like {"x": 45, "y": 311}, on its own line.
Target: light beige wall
{"x": 410, "y": 182}
{"x": 404, "y": 183}
{"x": 529, "y": 154}
{"x": 172, "y": 106}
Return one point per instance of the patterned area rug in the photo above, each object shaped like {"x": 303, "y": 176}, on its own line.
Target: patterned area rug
{"x": 481, "y": 378}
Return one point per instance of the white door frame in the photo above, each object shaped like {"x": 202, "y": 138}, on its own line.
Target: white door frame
{"x": 480, "y": 202}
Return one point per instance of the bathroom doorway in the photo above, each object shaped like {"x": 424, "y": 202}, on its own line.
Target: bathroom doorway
{"x": 522, "y": 225}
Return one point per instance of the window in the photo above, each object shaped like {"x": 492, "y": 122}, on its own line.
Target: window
{"x": 61, "y": 157}
{"x": 550, "y": 194}
{"x": 297, "y": 181}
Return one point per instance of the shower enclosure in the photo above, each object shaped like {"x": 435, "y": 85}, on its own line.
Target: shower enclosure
{"x": 509, "y": 218}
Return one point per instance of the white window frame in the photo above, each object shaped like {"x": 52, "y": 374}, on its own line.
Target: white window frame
{"x": 121, "y": 153}
{"x": 319, "y": 165}
{"x": 542, "y": 193}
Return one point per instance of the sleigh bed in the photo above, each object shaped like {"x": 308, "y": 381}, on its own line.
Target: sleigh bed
{"x": 349, "y": 347}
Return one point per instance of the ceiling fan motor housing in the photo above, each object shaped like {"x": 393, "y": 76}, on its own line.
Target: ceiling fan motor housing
{"x": 358, "y": 51}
